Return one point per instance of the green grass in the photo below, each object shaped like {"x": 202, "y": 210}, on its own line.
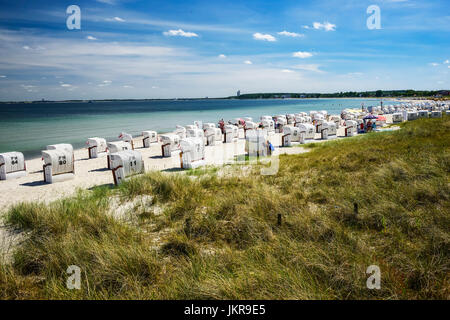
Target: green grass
{"x": 217, "y": 237}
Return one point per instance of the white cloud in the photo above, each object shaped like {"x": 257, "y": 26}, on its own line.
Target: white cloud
{"x": 180, "y": 33}
{"x": 133, "y": 17}
{"x": 2, "y": 76}
{"x": 26, "y": 47}
{"x": 264, "y": 37}
{"x": 107, "y": 1}
{"x": 434, "y": 64}
{"x": 66, "y": 85}
{"x": 181, "y": 72}
{"x": 29, "y": 88}
{"x": 447, "y": 61}
{"x": 105, "y": 83}
{"x": 325, "y": 26}
{"x": 291, "y": 34}
{"x": 222, "y": 56}
{"x": 302, "y": 54}
{"x": 354, "y": 74}
{"x": 309, "y": 67}
{"x": 306, "y": 27}
{"x": 91, "y": 38}
{"x": 118, "y": 19}
{"x": 127, "y": 86}
{"x": 287, "y": 71}
{"x": 248, "y": 62}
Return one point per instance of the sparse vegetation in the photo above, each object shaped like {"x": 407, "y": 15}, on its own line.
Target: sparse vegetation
{"x": 206, "y": 236}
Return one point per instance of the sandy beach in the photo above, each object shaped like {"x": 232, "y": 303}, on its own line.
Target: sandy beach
{"x": 94, "y": 172}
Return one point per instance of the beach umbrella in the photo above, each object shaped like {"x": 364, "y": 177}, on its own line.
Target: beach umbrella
{"x": 381, "y": 118}
{"x": 370, "y": 116}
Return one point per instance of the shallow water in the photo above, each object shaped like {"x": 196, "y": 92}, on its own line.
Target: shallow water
{"x": 28, "y": 128}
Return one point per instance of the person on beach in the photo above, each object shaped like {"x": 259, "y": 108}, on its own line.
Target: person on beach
{"x": 374, "y": 126}
{"x": 222, "y": 125}
{"x": 369, "y": 126}
{"x": 270, "y": 147}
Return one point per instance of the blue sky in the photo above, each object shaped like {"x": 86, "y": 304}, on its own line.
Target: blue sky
{"x": 167, "y": 49}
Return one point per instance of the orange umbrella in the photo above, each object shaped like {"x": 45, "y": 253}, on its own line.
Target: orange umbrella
{"x": 381, "y": 118}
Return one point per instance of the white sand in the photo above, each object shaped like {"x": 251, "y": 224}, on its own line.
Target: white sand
{"x": 94, "y": 172}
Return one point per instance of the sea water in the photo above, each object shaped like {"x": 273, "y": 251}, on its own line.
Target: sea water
{"x": 30, "y": 127}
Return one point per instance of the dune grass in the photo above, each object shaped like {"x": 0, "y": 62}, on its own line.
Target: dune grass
{"x": 203, "y": 236}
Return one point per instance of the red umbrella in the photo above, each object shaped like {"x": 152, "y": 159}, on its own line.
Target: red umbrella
{"x": 381, "y": 118}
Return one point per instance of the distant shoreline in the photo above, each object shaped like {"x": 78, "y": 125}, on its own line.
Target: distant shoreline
{"x": 226, "y": 98}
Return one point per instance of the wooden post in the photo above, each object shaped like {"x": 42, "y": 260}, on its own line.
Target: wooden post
{"x": 188, "y": 226}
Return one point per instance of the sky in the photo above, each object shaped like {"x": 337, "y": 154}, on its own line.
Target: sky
{"x": 175, "y": 49}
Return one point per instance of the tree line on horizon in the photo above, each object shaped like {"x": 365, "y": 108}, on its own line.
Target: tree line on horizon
{"x": 277, "y": 95}
{"x": 349, "y": 94}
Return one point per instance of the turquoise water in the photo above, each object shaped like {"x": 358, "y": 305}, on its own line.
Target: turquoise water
{"x": 28, "y": 128}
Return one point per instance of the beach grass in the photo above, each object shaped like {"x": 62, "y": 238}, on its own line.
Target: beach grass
{"x": 203, "y": 235}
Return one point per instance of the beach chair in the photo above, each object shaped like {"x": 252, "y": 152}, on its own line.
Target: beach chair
{"x": 125, "y": 164}
{"x": 12, "y": 165}
{"x": 59, "y": 165}
{"x": 97, "y": 147}
{"x": 192, "y": 153}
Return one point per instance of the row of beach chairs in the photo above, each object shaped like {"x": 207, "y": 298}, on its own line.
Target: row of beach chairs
{"x": 189, "y": 143}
